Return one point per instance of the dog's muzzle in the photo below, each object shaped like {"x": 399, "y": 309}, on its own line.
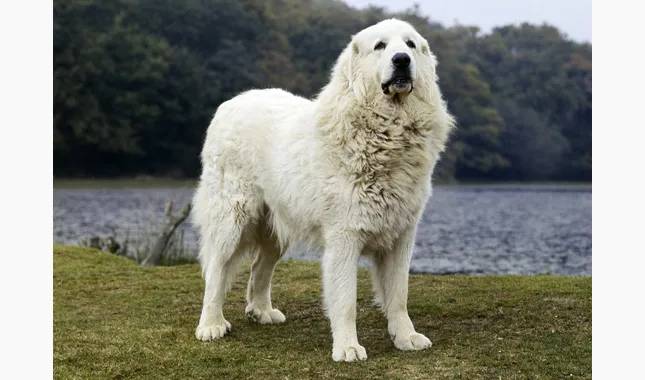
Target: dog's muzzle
{"x": 401, "y": 80}
{"x": 398, "y": 84}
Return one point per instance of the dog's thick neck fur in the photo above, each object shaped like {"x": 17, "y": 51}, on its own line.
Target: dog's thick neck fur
{"x": 354, "y": 115}
{"x": 351, "y": 102}
{"x": 386, "y": 147}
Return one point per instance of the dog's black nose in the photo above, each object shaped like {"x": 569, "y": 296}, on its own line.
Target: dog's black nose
{"x": 401, "y": 60}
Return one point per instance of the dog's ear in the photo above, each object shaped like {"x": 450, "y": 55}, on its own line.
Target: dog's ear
{"x": 432, "y": 59}
{"x": 356, "y": 81}
{"x": 427, "y": 74}
{"x": 354, "y": 45}
{"x": 347, "y": 72}
{"x": 343, "y": 66}
{"x": 425, "y": 49}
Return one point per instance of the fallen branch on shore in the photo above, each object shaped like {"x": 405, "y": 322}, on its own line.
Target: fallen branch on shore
{"x": 159, "y": 248}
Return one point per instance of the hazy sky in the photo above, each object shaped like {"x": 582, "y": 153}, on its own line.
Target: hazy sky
{"x": 573, "y": 17}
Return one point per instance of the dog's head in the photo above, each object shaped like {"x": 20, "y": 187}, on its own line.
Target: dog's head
{"x": 390, "y": 58}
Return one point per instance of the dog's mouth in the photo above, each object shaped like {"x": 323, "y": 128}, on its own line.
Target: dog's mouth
{"x": 398, "y": 84}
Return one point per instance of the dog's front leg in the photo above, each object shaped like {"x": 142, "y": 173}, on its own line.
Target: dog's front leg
{"x": 393, "y": 270}
{"x": 340, "y": 262}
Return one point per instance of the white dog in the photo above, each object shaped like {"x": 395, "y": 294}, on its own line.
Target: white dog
{"x": 349, "y": 172}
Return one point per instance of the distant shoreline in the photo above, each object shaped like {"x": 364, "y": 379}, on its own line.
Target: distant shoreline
{"x": 148, "y": 182}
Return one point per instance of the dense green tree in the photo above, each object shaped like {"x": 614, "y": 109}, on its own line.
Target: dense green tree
{"x": 542, "y": 86}
{"x": 106, "y": 89}
{"x": 137, "y": 81}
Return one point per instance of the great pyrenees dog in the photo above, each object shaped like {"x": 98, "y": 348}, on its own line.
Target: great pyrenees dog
{"x": 348, "y": 172}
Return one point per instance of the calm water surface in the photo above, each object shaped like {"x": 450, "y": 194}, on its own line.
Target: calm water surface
{"x": 484, "y": 229}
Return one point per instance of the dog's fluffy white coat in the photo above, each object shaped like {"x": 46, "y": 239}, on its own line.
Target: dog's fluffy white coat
{"x": 349, "y": 172}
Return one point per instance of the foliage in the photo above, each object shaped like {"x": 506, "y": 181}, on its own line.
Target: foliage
{"x": 114, "y": 319}
{"x": 542, "y": 84}
{"x": 137, "y": 81}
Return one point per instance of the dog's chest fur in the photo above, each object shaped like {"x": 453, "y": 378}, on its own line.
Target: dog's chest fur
{"x": 384, "y": 155}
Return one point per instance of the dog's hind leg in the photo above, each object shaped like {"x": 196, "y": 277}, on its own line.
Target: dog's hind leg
{"x": 377, "y": 286}
{"x": 217, "y": 273}
{"x": 225, "y": 219}
{"x": 258, "y": 294}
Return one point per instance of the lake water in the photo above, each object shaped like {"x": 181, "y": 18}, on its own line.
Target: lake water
{"x": 474, "y": 229}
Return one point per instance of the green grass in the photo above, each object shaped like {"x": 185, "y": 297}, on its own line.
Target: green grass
{"x": 113, "y": 319}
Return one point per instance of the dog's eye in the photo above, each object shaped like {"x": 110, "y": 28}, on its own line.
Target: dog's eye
{"x": 380, "y": 46}
{"x": 410, "y": 44}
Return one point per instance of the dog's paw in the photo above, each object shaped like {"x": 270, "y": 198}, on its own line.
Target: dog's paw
{"x": 212, "y": 331}
{"x": 412, "y": 342}
{"x": 264, "y": 316}
{"x": 349, "y": 353}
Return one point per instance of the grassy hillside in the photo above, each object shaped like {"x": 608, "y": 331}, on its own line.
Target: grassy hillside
{"x": 113, "y": 319}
